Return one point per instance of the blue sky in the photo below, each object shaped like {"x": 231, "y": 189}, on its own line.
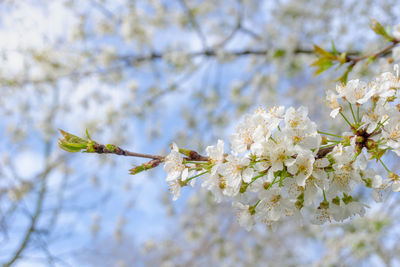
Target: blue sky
{"x": 147, "y": 218}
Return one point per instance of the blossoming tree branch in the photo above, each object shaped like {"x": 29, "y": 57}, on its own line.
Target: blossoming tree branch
{"x": 281, "y": 164}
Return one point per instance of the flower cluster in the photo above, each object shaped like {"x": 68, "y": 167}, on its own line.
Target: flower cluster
{"x": 281, "y": 165}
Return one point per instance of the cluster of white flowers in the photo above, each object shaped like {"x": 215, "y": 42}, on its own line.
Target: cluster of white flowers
{"x": 280, "y": 165}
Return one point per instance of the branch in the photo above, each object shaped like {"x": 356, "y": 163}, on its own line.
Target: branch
{"x": 380, "y": 53}
{"x": 111, "y": 149}
{"x": 194, "y": 23}
{"x": 34, "y": 219}
{"x": 326, "y": 59}
{"x": 134, "y": 59}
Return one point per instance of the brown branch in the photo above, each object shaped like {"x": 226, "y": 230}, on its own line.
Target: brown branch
{"x": 128, "y": 60}
{"x": 212, "y": 53}
{"x": 324, "y": 151}
{"x": 34, "y": 219}
{"x": 102, "y": 149}
{"x": 193, "y": 21}
{"x": 354, "y": 60}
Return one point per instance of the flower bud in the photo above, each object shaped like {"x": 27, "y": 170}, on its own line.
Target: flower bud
{"x": 267, "y": 185}
{"x": 222, "y": 184}
{"x": 252, "y": 210}
{"x": 336, "y": 201}
{"x": 359, "y": 139}
{"x": 370, "y": 144}
{"x": 393, "y": 176}
{"x": 324, "y": 140}
{"x": 323, "y": 205}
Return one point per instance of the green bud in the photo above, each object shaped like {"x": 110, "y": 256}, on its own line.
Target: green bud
{"x": 111, "y": 147}
{"x": 380, "y": 30}
{"x": 266, "y": 185}
{"x": 72, "y": 143}
{"x": 252, "y": 210}
{"x": 347, "y": 199}
{"x": 299, "y": 204}
{"x": 146, "y": 166}
{"x": 243, "y": 187}
{"x": 336, "y": 201}
{"x": 324, "y": 205}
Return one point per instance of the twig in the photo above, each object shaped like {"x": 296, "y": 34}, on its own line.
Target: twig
{"x": 355, "y": 60}
{"x": 194, "y": 23}
{"x": 102, "y": 149}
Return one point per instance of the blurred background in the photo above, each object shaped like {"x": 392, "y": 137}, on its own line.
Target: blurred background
{"x": 141, "y": 74}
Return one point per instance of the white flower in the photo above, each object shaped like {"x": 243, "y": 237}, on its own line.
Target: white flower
{"x": 271, "y": 207}
{"x": 246, "y": 219}
{"x": 216, "y": 155}
{"x": 300, "y": 129}
{"x": 385, "y": 85}
{"x": 344, "y": 211}
{"x": 396, "y": 54}
{"x": 301, "y": 167}
{"x": 346, "y": 174}
{"x": 291, "y": 189}
{"x": 213, "y": 183}
{"x": 378, "y": 114}
{"x": 296, "y": 119}
{"x": 396, "y": 32}
{"x": 279, "y": 153}
{"x": 174, "y": 165}
{"x": 391, "y": 132}
{"x": 257, "y": 127}
{"x": 355, "y": 92}
{"x": 396, "y": 186}
{"x": 376, "y": 182}
{"x": 175, "y": 189}
{"x": 234, "y": 171}
{"x": 321, "y": 216}
{"x": 318, "y": 180}
{"x": 331, "y": 99}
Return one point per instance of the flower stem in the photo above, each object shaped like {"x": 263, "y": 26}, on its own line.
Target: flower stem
{"x": 352, "y": 113}
{"x": 383, "y": 164}
{"x": 330, "y": 134}
{"x": 344, "y": 117}
{"x": 195, "y": 162}
{"x": 200, "y": 174}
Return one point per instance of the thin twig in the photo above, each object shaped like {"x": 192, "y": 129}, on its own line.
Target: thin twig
{"x": 102, "y": 149}
{"x": 194, "y": 23}
{"x": 355, "y": 60}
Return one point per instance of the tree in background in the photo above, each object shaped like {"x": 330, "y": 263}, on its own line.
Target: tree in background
{"x": 148, "y": 72}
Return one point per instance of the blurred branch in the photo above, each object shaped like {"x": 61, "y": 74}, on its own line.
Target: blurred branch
{"x": 326, "y": 59}
{"x": 213, "y": 53}
{"x": 103, "y": 9}
{"x": 193, "y": 21}
{"x": 131, "y": 60}
{"x": 373, "y": 56}
{"x": 34, "y": 219}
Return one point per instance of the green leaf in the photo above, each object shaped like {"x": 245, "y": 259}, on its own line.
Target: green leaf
{"x": 380, "y": 30}
{"x": 71, "y": 147}
{"x": 72, "y": 143}
{"x": 70, "y": 138}
{"x": 343, "y": 78}
{"x": 87, "y": 134}
{"x": 334, "y": 51}
{"x": 326, "y": 54}
{"x": 322, "y": 65}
